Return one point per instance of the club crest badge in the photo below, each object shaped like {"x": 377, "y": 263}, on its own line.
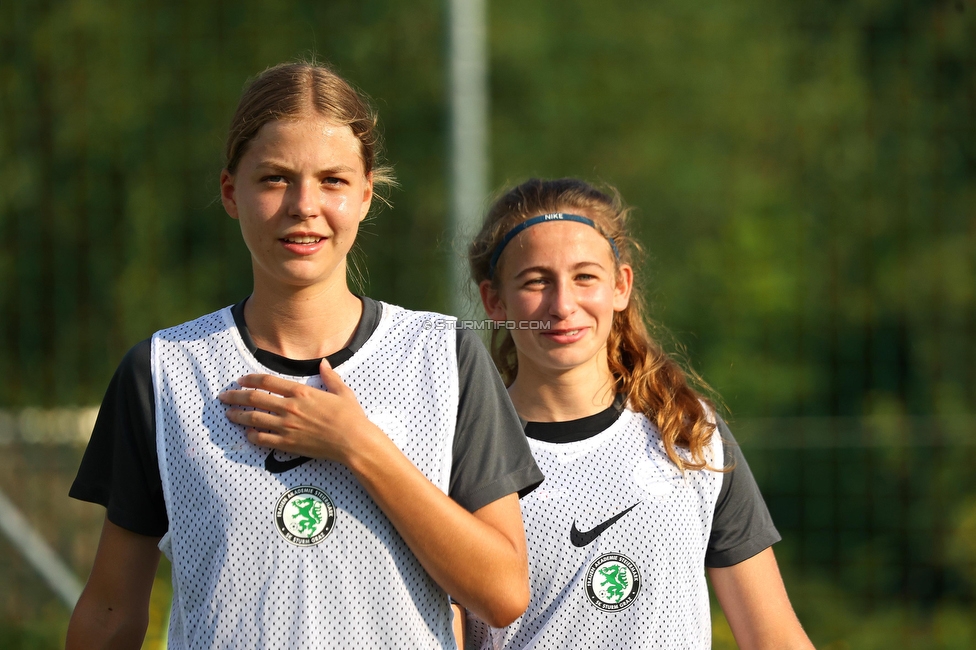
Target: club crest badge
{"x": 612, "y": 582}
{"x": 305, "y": 515}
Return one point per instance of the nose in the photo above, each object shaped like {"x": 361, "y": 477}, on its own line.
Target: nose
{"x": 303, "y": 202}
{"x": 562, "y": 301}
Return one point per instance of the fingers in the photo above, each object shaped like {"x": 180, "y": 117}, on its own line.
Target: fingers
{"x": 253, "y": 398}
{"x": 331, "y": 379}
{"x": 270, "y": 406}
{"x": 270, "y": 393}
{"x": 256, "y": 420}
{"x": 271, "y": 409}
{"x": 270, "y": 383}
{"x": 265, "y": 439}
{"x": 285, "y": 388}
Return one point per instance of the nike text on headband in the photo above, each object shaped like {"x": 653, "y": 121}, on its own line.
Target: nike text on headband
{"x": 543, "y": 218}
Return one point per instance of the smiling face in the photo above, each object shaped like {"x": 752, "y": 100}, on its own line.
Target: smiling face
{"x": 299, "y": 192}
{"x": 565, "y": 273}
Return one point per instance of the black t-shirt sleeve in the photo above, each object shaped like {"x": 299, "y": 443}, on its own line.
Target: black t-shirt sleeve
{"x": 491, "y": 454}
{"x": 741, "y": 527}
{"x": 119, "y": 469}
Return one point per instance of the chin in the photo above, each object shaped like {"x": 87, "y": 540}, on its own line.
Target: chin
{"x": 565, "y": 364}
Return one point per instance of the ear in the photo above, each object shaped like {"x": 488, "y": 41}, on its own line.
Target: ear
{"x": 227, "y": 194}
{"x": 623, "y": 285}
{"x": 494, "y": 306}
{"x": 367, "y": 197}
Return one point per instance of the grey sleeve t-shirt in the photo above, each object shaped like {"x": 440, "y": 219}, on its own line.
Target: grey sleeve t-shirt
{"x": 741, "y": 525}
{"x": 120, "y": 470}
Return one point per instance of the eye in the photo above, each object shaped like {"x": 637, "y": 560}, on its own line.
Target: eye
{"x": 273, "y": 179}
{"x": 535, "y": 283}
{"x": 333, "y": 180}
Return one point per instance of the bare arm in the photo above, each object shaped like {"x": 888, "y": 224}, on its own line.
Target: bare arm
{"x": 113, "y": 611}
{"x": 755, "y": 603}
{"x": 460, "y": 625}
{"x": 479, "y": 558}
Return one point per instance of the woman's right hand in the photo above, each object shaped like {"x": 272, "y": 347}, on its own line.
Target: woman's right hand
{"x": 298, "y": 419}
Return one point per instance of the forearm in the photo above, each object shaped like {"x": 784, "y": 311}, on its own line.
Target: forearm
{"x": 113, "y": 610}
{"x": 481, "y": 564}
{"x": 100, "y": 625}
{"x": 756, "y": 605}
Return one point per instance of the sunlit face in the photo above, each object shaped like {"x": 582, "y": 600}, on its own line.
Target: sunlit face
{"x": 299, "y": 192}
{"x": 562, "y": 273}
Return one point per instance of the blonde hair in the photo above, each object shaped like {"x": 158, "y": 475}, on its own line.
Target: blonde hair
{"x": 301, "y": 89}
{"x": 650, "y": 381}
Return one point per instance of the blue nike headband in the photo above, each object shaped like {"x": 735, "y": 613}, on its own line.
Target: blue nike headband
{"x": 541, "y": 219}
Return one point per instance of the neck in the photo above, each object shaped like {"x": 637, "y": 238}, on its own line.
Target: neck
{"x": 544, "y": 396}
{"x": 302, "y": 322}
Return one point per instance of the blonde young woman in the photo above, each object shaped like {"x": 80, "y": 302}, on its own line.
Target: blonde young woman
{"x": 645, "y": 488}
{"x": 320, "y": 468}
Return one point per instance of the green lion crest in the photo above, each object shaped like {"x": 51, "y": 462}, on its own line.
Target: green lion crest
{"x": 615, "y": 575}
{"x": 305, "y": 515}
{"x": 309, "y": 514}
{"x": 612, "y": 582}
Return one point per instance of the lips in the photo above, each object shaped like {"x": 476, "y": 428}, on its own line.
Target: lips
{"x": 303, "y": 243}
{"x": 565, "y": 336}
{"x": 302, "y": 239}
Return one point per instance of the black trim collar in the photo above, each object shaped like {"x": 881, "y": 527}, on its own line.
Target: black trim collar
{"x": 372, "y": 310}
{"x": 576, "y": 430}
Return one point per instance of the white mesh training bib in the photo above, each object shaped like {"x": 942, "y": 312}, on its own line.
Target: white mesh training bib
{"x": 272, "y": 552}
{"x": 617, "y": 539}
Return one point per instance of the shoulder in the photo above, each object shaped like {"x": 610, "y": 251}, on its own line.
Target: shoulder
{"x": 396, "y": 312}
{"x": 728, "y": 445}
{"x": 427, "y": 328}
{"x": 135, "y": 365}
{"x": 131, "y": 388}
{"x": 717, "y": 451}
{"x": 472, "y": 352}
{"x": 221, "y": 319}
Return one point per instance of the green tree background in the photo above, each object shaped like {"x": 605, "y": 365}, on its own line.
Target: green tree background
{"x": 804, "y": 176}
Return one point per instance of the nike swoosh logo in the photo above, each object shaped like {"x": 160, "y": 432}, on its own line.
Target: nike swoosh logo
{"x": 276, "y": 466}
{"x": 580, "y": 539}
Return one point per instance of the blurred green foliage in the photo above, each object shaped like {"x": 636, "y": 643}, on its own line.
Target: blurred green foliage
{"x": 804, "y": 177}
{"x": 113, "y": 119}
{"x": 803, "y": 173}
{"x": 882, "y": 518}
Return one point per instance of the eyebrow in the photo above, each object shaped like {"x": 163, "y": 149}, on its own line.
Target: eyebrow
{"x": 270, "y": 165}
{"x": 546, "y": 269}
